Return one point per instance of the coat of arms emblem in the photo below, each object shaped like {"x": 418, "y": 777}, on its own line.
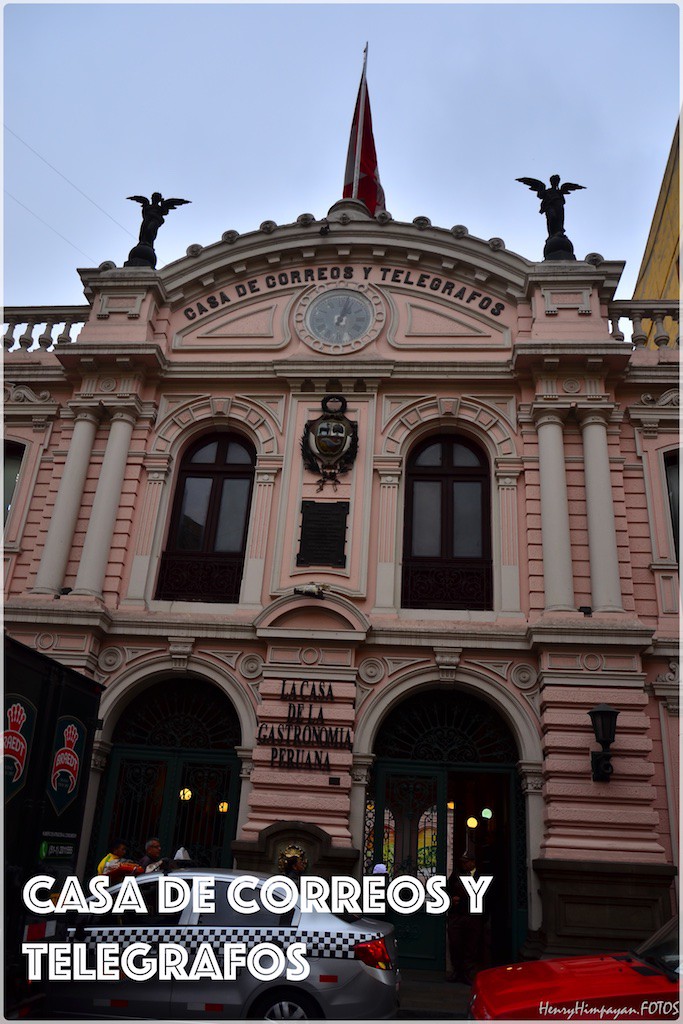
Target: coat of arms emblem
{"x": 330, "y": 444}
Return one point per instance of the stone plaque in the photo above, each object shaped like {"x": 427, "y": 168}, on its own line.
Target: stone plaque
{"x": 323, "y": 533}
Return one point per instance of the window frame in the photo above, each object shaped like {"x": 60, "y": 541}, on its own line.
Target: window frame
{"x": 206, "y": 557}
{"x": 19, "y": 453}
{"x": 447, "y": 474}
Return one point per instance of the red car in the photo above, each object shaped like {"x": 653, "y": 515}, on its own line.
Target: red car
{"x": 642, "y": 984}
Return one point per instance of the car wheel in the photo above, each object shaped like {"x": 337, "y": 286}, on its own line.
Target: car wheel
{"x": 286, "y": 1006}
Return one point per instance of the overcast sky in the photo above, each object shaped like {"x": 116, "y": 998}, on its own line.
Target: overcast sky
{"x": 245, "y": 109}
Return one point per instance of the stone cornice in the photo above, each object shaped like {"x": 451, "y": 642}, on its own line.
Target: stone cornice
{"x": 361, "y": 239}
{"x": 128, "y": 356}
{"x": 599, "y": 631}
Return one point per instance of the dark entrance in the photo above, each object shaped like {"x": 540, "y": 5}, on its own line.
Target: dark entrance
{"x": 173, "y": 773}
{"x": 445, "y": 782}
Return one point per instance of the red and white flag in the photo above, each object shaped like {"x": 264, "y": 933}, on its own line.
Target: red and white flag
{"x": 362, "y": 177}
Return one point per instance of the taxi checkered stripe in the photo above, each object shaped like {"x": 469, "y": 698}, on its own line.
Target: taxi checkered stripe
{"x": 318, "y": 944}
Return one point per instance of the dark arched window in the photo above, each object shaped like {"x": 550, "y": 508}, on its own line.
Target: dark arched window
{"x": 14, "y": 453}
{"x": 204, "y": 557}
{"x": 671, "y": 462}
{"x": 447, "y": 540}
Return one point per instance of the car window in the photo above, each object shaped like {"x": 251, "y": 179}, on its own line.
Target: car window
{"x": 226, "y": 916}
{"x": 129, "y": 918}
{"x": 663, "y": 947}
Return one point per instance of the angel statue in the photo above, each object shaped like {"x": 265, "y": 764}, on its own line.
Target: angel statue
{"x": 552, "y": 200}
{"x": 153, "y": 214}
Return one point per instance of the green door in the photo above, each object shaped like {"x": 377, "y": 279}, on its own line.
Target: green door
{"x": 173, "y": 773}
{"x": 186, "y": 798}
{"x": 409, "y": 838}
{"x": 445, "y": 783}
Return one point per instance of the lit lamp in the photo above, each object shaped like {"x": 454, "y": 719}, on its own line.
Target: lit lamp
{"x": 604, "y": 721}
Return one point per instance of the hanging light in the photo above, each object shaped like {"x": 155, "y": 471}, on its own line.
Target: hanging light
{"x": 472, "y": 822}
{"x": 223, "y": 806}
{"x": 604, "y": 721}
{"x": 450, "y": 805}
{"x": 185, "y": 794}
{"x": 487, "y": 813}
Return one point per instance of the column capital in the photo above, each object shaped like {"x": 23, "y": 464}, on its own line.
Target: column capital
{"x": 541, "y": 413}
{"x": 360, "y": 769}
{"x": 591, "y": 414}
{"x": 531, "y": 775}
{"x": 92, "y": 411}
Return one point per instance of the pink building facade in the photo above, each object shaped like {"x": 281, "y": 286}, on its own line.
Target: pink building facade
{"x": 356, "y": 521}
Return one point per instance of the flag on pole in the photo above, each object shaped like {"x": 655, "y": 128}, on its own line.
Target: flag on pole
{"x": 362, "y": 177}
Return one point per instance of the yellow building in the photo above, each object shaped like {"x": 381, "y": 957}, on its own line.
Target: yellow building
{"x": 659, "y": 275}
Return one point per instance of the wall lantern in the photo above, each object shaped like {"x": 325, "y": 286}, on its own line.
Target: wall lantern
{"x": 604, "y": 721}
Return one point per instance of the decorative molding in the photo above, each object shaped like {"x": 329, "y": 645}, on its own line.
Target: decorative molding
{"x": 447, "y": 660}
{"x": 667, "y": 686}
{"x": 208, "y": 410}
{"x": 531, "y": 776}
{"x": 180, "y": 649}
{"x": 372, "y": 671}
{"x": 492, "y": 667}
{"x": 251, "y": 666}
{"x": 575, "y": 298}
{"x": 409, "y": 422}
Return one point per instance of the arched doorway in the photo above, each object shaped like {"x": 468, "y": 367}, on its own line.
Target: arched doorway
{"x": 173, "y": 773}
{"x": 445, "y": 782}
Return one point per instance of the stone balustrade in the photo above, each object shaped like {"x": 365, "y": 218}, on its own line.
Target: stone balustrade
{"x": 32, "y": 318}
{"x": 651, "y": 320}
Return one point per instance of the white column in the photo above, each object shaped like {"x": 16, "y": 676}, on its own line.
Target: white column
{"x": 602, "y": 534}
{"x": 557, "y": 555}
{"x": 95, "y": 556}
{"x": 60, "y": 534}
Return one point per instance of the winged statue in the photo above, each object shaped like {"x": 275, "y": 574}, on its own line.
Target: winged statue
{"x": 552, "y": 200}
{"x": 153, "y": 213}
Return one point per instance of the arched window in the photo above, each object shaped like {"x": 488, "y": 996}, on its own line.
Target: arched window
{"x": 447, "y": 540}
{"x": 14, "y": 453}
{"x": 204, "y": 558}
{"x": 671, "y": 462}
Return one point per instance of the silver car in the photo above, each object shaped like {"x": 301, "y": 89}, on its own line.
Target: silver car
{"x": 352, "y": 962}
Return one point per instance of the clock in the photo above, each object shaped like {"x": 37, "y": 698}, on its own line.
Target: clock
{"x": 339, "y": 318}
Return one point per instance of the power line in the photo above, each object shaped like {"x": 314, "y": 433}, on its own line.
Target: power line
{"x": 52, "y": 167}
{"x": 92, "y": 261}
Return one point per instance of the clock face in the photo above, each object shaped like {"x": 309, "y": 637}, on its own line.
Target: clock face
{"x": 339, "y": 317}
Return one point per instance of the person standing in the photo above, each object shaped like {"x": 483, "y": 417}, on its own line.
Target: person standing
{"x": 466, "y": 931}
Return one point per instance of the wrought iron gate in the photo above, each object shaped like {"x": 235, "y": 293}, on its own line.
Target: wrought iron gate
{"x": 445, "y": 759}
{"x": 173, "y": 773}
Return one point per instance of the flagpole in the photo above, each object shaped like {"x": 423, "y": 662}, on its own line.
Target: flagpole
{"x": 359, "y": 130}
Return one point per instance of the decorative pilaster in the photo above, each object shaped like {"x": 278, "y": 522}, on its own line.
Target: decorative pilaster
{"x": 262, "y": 501}
{"x": 506, "y": 478}
{"x": 360, "y": 774}
{"x": 60, "y": 534}
{"x": 389, "y": 471}
{"x": 158, "y": 467}
{"x": 246, "y": 756}
{"x": 98, "y": 766}
{"x": 557, "y": 557}
{"x": 531, "y": 775}
{"x": 602, "y": 534}
{"x": 96, "y": 549}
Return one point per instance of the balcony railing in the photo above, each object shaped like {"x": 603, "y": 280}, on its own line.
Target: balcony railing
{"x": 33, "y": 318}
{"x": 656, "y": 321}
